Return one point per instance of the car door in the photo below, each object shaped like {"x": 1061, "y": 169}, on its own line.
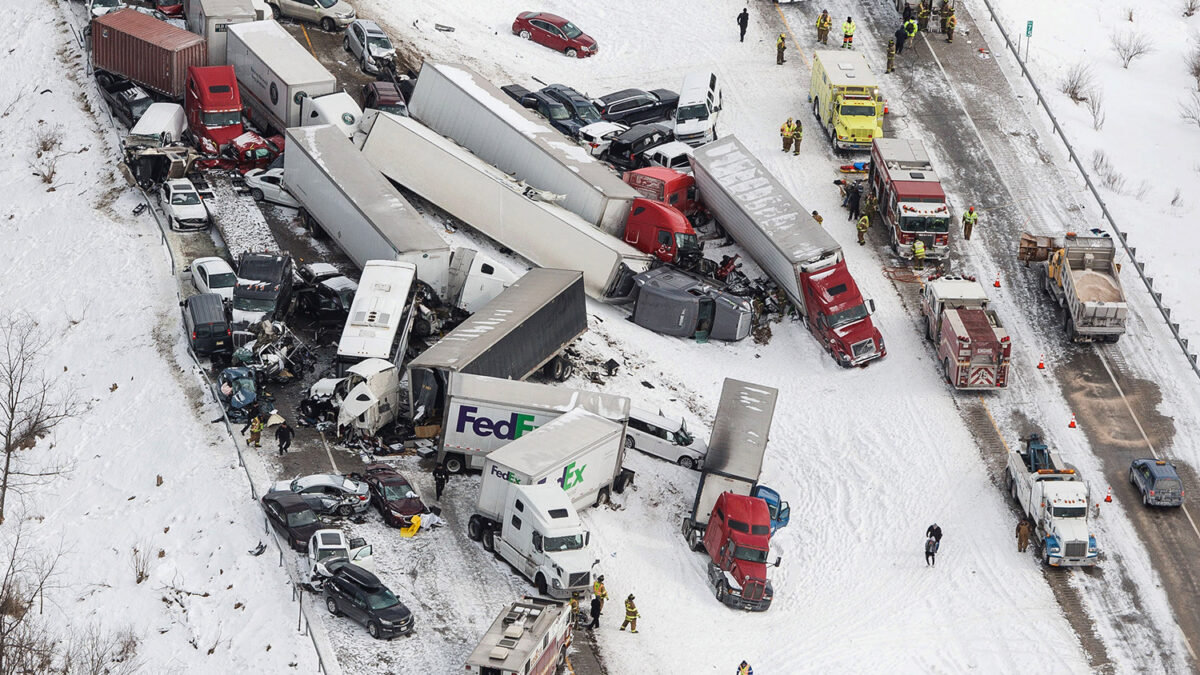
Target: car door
{"x": 358, "y": 41}
{"x": 642, "y": 109}
{"x": 200, "y": 278}
{"x": 1145, "y": 480}
{"x": 270, "y": 187}
{"x": 277, "y": 519}
{"x": 548, "y": 35}
{"x": 302, "y": 9}
{"x": 317, "y": 500}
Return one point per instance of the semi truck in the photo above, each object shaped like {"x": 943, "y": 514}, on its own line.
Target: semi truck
{"x": 846, "y": 99}
{"x": 1081, "y": 274}
{"x": 675, "y": 302}
{"x": 530, "y": 637}
{"x": 912, "y": 204}
{"x": 498, "y": 207}
{"x": 782, "y": 237}
{"x": 343, "y": 197}
{"x": 525, "y": 328}
{"x": 212, "y": 18}
{"x": 726, "y": 521}
{"x": 1055, "y": 498}
{"x": 669, "y": 187}
{"x": 973, "y": 347}
{"x": 279, "y": 79}
{"x": 482, "y": 414}
{"x": 148, "y": 51}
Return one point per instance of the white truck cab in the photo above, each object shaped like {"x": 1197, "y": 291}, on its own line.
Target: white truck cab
{"x": 366, "y": 399}
{"x": 338, "y": 109}
{"x": 1055, "y": 497}
{"x": 699, "y": 105}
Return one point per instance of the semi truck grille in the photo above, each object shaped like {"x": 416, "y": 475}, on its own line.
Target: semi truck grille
{"x": 863, "y": 348}
{"x": 1076, "y": 549}
{"x": 752, "y": 591}
{"x": 579, "y": 579}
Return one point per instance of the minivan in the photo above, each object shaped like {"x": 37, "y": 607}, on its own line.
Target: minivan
{"x": 699, "y": 103}
{"x": 360, "y": 595}
{"x": 654, "y": 434}
{"x": 207, "y": 328}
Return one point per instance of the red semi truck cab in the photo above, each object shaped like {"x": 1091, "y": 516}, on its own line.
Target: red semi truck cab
{"x": 838, "y": 315}
{"x": 213, "y": 106}
{"x": 737, "y": 541}
{"x": 655, "y": 228}
{"x": 669, "y": 187}
{"x": 911, "y": 201}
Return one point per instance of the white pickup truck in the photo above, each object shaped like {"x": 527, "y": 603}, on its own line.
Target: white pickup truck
{"x": 1055, "y": 497}
{"x": 327, "y": 545}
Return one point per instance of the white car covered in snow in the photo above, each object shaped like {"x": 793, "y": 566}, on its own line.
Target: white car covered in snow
{"x": 182, "y": 205}
{"x": 267, "y": 185}
{"x": 214, "y": 275}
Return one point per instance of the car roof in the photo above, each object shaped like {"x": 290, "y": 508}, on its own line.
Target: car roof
{"x": 213, "y": 261}
{"x": 358, "y": 575}
{"x": 290, "y": 502}
{"x": 181, "y": 183}
{"x": 340, "y": 283}
{"x": 1160, "y": 468}
{"x": 552, "y": 18}
{"x": 619, "y": 95}
{"x": 566, "y": 92}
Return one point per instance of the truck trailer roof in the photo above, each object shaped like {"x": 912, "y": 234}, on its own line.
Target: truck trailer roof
{"x": 538, "y": 396}
{"x": 846, "y": 68}
{"x": 761, "y": 196}
{"x": 272, "y": 44}
{"x": 534, "y": 452}
{"x": 739, "y": 434}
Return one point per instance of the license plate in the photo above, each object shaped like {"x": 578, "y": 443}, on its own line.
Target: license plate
{"x": 220, "y": 342}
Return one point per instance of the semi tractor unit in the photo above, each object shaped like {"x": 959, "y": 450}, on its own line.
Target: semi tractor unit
{"x": 1055, "y": 497}
{"x": 912, "y": 204}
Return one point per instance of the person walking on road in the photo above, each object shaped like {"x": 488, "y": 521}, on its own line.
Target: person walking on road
{"x": 631, "y": 615}
{"x": 440, "y": 476}
{"x": 951, "y": 23}
{"x": 745, "y": 669}
{"x": 780, "y": 48}
{"x": 797, "y": 136}
{"x": 931, "y": 547}
{"x": 824, "y": 24}
{"x": 968, "y": 221}
{"x": 918, "y": 249}
{"x": 256, "y": 427}
{"x": 283, "y": 435}
{"x": 1023, "y": 531}
{"x": 908, "y": 12}
{"x": 743, "y": 20}
{"x": 910, "y": 31}
{"x": 891, "y": 56}
{"x": 599, "y": 592}
{"x": 597, "y": 605}
{"x": 848, "y": 29}
{"x": 863, "y": 224}
{"x": 935, "y": 532}
{"x": 785, "y": 134}
{"x": 855, "y": 203}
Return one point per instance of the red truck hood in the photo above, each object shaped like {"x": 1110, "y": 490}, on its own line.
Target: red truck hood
{"x": 837, "y": 292}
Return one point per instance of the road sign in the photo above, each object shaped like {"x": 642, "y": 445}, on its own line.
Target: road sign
{"x": 1029, "y": 29}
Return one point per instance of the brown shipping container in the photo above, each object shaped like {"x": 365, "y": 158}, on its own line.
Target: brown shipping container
{"x": 148, "y": 51}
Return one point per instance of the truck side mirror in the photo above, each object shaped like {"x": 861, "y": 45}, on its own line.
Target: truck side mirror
{"x": 870, "y": 306}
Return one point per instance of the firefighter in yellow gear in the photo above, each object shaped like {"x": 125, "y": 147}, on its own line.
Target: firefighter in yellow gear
{"x": 785, "y": 134}
{"x": 599, "y": 591}
{"x": 797, "y": 136}
{"x": 951, "y": 23}
{"x": 918, "y": 249}
{"x": 891, "y": 56}
{"x": 969, "y": 219}
{"x": 256, "y": 427}
{"x": 863, "y": 224}
{"x": 923, "y": 15}
{"x": 631, "y": 615}
{"x": 817, "y": 217}
{"x": 824, "y": 23}
{"x": 575, "y": 608}
{"x": 780, "y": 47}
{"x": 871, "y": 205}
{"x": 848, "y": 29}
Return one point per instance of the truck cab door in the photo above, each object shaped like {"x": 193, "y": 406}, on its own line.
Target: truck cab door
{"x": 485, "y": 280}
{"x": 666, "y": 247}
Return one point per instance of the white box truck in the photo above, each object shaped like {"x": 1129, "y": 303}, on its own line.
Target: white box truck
{"x": 499, "y": 207}
{"x": 460, "y": 103}
{"x": 483, "y": 414}
{"x": 275, "y": 73}
{"x": 212, "y": 18}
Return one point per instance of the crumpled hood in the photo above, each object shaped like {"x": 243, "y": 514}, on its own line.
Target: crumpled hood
{"x": 359, "y": 400}
{"x": 195, "y": 211}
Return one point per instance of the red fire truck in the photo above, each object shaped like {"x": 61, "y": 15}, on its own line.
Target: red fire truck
{"x": 912, "y": 204}
{"x": 973, "y": 347}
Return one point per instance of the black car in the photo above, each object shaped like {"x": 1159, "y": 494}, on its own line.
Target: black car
{"x": 631, "y": 106}
{"x": 291, "y": 517}
{"x": 554, "y": 111}
{"x": 126, "y": 100}
{"x": 580, "y": 109}
{"x": 360, "y": 595}
{"x": 625, "y": 150}
{"x": 323, "y": 294}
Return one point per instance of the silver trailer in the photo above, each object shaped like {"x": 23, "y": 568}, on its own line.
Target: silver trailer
{"x": 212, "y": 18}
{"x": 458, "y": 102}
{"x": 344, "y": 196}
{"x": 495, "y": 205}
{"x": 275, "y": 73}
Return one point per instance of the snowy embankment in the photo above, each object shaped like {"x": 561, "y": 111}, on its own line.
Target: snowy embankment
{"x": 146, "y": 472}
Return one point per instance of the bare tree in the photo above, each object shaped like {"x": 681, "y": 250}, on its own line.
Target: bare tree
{"x": 1189, "y": 109}
{"x": 1190, "y": 7}
{"x": 1079, "y": 81}
{"x": 1130, "y": 45}
{"x": 1095, "y": 105}
{"x": 1193, "y": 62}
{"x": 25, "y": 644}
{"x": 32, "y": 404}
{"x": 96, "y": 651}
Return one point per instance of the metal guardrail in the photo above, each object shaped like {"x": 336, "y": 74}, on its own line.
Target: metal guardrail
{"x": 1131, "y": 251}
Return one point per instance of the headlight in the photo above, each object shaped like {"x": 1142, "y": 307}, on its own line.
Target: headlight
{"x": 1054, "y": 549}
{"x": 845, "y": 357}
{"x": 554, "y": 582}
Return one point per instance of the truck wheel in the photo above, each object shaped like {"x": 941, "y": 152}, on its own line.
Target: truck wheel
{"x": 1069, "y": 325}
{"x": 721, "y": 591}
{"x": 275, "y": 14}
{"x": 475, "y": 528}
{"x": 540, "y": 582}
{"x": 422, "y": 328}
{"x": 693, "y": 539}
{"x": 816, "y": 110}
{"x": 1112, "y": 339}
{"x": 489, "y": 541}
{"x": 603, "y": 496}
{"x": 455, "y": 464}
{"x": 928, "y": 331}
{"x": 328, "y": 25}
{"x": 256, "y": 194}
{"x": 558, "y": 369}
{"x": 628, "y": 442}
{"x": 1012, "y": 487}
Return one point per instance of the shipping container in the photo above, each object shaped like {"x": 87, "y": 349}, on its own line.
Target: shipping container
{"x": 148, "y": 51}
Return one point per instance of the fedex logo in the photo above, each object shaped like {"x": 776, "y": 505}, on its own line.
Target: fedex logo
{"x": 506, "y": 429}
{"x": 572, "y": 475}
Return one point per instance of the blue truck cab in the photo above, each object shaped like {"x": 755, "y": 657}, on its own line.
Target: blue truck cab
{"x": 780, "y": 511}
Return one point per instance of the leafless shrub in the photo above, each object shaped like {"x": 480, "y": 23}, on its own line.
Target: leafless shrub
{"x": 26, "y": 646}
{"x": 1130, "y": 44}
{"x": 47, "y": 139}
{"x": 45, "y": 167}
{"x": 1189, "y": 109}
{"x": 96, "y": 651}
{"x": 1143, "y": 190}
{"x": 1079, "y": 81}
{"x": 1177, "y": 199}
{"x": 1095, "y": 105}
{"x": 1193, "y": 62}
{"x": 140, "y": 556}
{"x": 1108, "y": 176}
{"x": 1190, "y": 7}
{"x": 1129, "y": 14}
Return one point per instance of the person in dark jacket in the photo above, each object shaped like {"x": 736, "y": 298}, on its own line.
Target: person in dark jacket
{"x": 935, "y": 532}
{"x": 597, "y": 605}
{"x": 743, "y": 21}
{"x": 931, "y": 547}
{"x": 283, "y": 435}
{"x": 908, "y": 11}
{"x": 440, "y": 476}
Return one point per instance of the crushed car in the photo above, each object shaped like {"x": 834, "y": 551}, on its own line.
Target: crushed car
{"x": 328, "y": 493}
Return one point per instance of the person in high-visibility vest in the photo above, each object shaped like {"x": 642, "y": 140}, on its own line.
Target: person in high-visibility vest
{"x": 785, "y": 134}
{"x": 848, "y": 29}
{"x": 824, "y": 23}
{"x": 599, "y": 591}
{"x": 256, "y": 427}
{"x": 891, "y": 56}
{"x": 631, "y": 615}
{"x": 951, "y": 23}
{"x": 969, "y": 220}
{"x": 745, "y": 669}
{"x": 797, "y": 136}
{"x": 918, "y": 249}
{"x": 863, "y": 224}
{"x": 780, "y": 47}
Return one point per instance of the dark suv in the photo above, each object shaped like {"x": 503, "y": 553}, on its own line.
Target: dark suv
{"x": 1158, "y": 481}
{"x": 631, "y": 106}
{"x": 625, "y": 150}
{"x": 580, "y": 109}
{"x": 264, "y": 288}
{"x": 360, "y": 595}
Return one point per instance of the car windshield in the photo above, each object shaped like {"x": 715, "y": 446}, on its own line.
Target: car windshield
{"x": 571, "y": 31}
{"x": 394, "y": 108}
{"x": 394, "y": 493}
{"x": 1070, "y": 511}
{"x": 138, "y": 106}
{"x": 379, "y": 42}
{"x": 698, "y": 111}
{"x": 570, "y": 542}
{"x": 185, "y": 199}
{"x": 588, "y": 113}
{"x": 757, "y": 555}
{"x": 301, "y": 518}
{"x": 222, "y": 119}
{"x": 347, "y": 296}
{"x": 222, "y": 280}
{"x": 253, "y": 304}
{"x": 381, "y": 599}
{"x": 688, "y": 241}
{"x": 558, "y": 111}
{"x": 106, "y": 3}
{"x": 327, "y": 3}
{"x": 848, "y": 316}
{"x": 934, "y": 224}
{"x": 857, "y": 111}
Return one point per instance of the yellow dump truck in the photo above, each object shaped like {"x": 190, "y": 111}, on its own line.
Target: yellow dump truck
{"x": 846, "y": 99}
{"x": 1082, "y": 275}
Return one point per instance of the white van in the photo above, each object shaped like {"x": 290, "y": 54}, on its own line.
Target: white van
{"x": 663, "y": 437}
{"x": 377, "y": 314}
{"x": 161, "y": 125}
{"x": 699, "y": 103}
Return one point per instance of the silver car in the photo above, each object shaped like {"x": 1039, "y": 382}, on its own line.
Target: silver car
{"x": 369, "y": 44}
{"x": 328, "y": 493}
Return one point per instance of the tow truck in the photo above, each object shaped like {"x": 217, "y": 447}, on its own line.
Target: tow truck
{"x": 1055, "y": 497}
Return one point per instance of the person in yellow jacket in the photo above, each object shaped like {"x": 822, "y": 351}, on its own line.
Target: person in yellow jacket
{"x": 780, "y": 47}
{"x": 599, "y": 591}
{"x": 797, "y": 136}
{"x": 256, "y": 427}
{"x": 918, "y": 249}
{"x": 848, "y": 29}
{"x": 968, "y": 220}
{"x": 824, "y": 23}
{"x": 785, "y": 134}
{"x": 863, "y": 224}
{"x": 951, "y": 23}
{"x": 575, "y": 608}
{"x": 923, "y": 15}
{"x": 631, "y": 615}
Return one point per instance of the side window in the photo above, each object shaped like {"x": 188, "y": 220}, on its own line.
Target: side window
{"x": 639, "y": 425}
{"x": 516, "y": 522}
{"x": 720, "y": 515}
{"x": 664, "y": 237}
{"x": 520, "y": 506}
{"x": 619, "y": 107}
{"x": 204, "y": 276}
{"x": 641, "y": 102}
{"x": 540, "y": 25}
{"x": 673, "y": 199}
{"x": 537, "y": 541}
{"x": 487, "y": 269}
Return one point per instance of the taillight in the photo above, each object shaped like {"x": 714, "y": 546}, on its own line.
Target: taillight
{"x": 594, "y": 145}
{"x": 228, "y": 332}
{"x": 1152, "y": 493}
{"x": 631, "y": 156}
{"x": 193, "y": 335}
{"x": 362, "y": 498}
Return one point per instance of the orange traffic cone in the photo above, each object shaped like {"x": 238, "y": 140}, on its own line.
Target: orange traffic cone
{"x": 1108, "y": 497}
{"x": 1072, "y": 424}
{"x": 1042, "y": 362}
{"x": 997, "y": 284}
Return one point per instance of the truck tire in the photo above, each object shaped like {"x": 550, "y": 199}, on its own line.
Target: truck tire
{"x": 694, "y": 540}
{"x": 817, "y": 109}
{"x": 1112, "y": 339}
{"x": 489, "y": 540}
{"x": 275, "y": 13}
{"x": 1012, "y": 487}
{"x": 558, "y": 368}
{"x": 1069, "y": 326}
{"x": 720, "y": 591}
{"x": 475, "y": 528}
{"x": 456, "y": 464}
{"x": 540, "y": 582}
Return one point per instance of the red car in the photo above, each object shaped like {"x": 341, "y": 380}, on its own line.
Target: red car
{"x": 392, "y": 494}
{"x": 169, "y": 7}
{"x": 554, "y": 32}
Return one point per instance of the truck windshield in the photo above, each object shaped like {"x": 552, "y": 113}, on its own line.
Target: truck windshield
{"x": 934, "y": 224}
{"x": 686, "y": 241}
{"x": 1070, "y": 511}
{"x": 848, "y": 316}
{"x": 227, "y": 118}
{"x": 698, "y": 111}
{"x": 757, "y": 555}
{"x": 253, "y": 304}
{"x": 569, "y": 542}
{"x": 857, "y": 111}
